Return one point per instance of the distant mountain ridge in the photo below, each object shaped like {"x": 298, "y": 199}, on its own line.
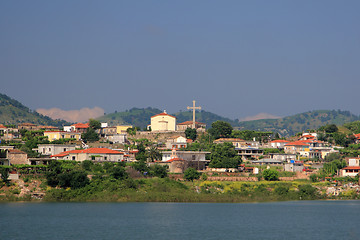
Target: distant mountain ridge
{"x": 14, "y": 112}
{"x": 291, "y": 125}
{"x": 286, "y": 126}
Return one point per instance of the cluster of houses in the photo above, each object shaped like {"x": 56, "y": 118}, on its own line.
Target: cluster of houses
{"x": 172, "y": 148}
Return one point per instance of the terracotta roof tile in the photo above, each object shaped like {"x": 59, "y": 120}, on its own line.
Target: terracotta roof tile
{"x": 352, "y": 168}
{"x": 298, "y": 143}
{"x": 90, "y": 151}
{"x": 280, "y": 141}
{"x": 16, "y": 151}
{"x": 175, "y": 159}
{"x": 81, "y": 125}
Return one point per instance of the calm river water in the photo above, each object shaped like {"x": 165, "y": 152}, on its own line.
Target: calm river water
{"x": 280, "y": 220}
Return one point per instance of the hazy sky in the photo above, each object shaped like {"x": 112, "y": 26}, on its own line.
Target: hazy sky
{"x": 236, "y": 58}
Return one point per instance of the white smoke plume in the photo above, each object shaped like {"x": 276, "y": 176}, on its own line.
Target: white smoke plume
{"x": 81, "y": 115}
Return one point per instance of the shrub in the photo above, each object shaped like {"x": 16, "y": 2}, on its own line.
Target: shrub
{"x": 270, "y": 175}
{"x": 74, "y": 179}
{"x": 307, "y": 192}
{"x": 204, "y": 177}
{"x": 282, "y": 190}
{"x": 158, "y": 171}
{"x": 190, "y": 174}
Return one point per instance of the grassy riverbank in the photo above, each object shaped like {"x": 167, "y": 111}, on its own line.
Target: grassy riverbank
{"x": 167, "y": 190}
{"x": 71, "y": 181}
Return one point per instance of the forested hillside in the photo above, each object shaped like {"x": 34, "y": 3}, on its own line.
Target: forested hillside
{"x": 14, "y": 112}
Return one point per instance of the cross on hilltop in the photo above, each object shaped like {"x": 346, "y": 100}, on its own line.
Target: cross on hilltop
{"x": 194, "y": 109}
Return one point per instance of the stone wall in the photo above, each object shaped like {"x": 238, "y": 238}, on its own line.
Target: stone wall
{"x": 244, "y": 179}
{"x": 157, "y": 136}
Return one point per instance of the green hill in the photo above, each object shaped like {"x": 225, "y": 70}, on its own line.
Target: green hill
{"x": 13, "y": 112}
{"x": 285, "y": 126}
{"x": 300, "y": 122}
{"x": 202, "y": 116}
{"x": 139, "y": 117}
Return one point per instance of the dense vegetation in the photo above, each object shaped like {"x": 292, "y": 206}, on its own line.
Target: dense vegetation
{"x": 13, "y": 112}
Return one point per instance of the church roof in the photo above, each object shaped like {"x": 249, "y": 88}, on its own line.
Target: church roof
{"x": 163, "y": 114}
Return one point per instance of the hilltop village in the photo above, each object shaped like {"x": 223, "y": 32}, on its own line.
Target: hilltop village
{"x": 41, "y": 161}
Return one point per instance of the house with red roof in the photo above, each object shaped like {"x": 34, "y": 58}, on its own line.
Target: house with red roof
{"x": 176, "y": 142}
{"x": 280, "y": 143}
{"x": 163, "y": 122}
{"x": 3, "y": 130}
{"x": 357, "y": 138}
{"x": 80, "y": 127}
{"x": 350, "y": 171}
{"x": 8, "y": 133}
{"x": 297, "y": 147}
{"x": 175, "y": 164}
{"x": 27, "y": 126}
{"x": 94, "y": 154}
{"x": 307, "y": 137}
{"x": 194, "y": 159}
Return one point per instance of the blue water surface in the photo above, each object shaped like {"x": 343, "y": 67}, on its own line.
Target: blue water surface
{"x": 279, "y": 220}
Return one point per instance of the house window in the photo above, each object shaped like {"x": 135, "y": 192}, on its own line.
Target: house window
{"x": 105, "y": 158}
{"x": 73, "y": 158}
{"x": 64, "y": 149}
{"x": 92, "y": 157}
{"x": 193, "y": 157}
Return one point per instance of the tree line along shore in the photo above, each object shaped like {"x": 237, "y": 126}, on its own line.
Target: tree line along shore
{"x": 135, "y": 182}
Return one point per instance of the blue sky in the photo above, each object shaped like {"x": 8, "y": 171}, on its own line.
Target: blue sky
{"x": 235, "y": 58}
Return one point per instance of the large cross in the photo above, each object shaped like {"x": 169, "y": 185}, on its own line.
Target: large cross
{"x": 194, "y": 109}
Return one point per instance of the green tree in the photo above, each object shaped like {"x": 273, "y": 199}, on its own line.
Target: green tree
{"x": 220, "y": 129}
{"x": 190, "y": 133}
{"x": 131, "y": 131}
{"x": 119, "y": 172}
{"x": 158, "y": 171}
{"x": 190, "y": 174}
{"x": 73, "y": 179}
{"x": 329, "y": 128}
{"x": 270, "y": 175}
{"x": 4, "y": 171}
{"x": 332, "y": 156}
{"x": 90, "y": 135}
{"x": 224, "y": 156}
{"x": 154, "y": 154}
{"x": 52, "y": 175}
{"x": 94, "y": 124}
{"x": 140, "y": 166}
{"x": 142, "y": 155}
